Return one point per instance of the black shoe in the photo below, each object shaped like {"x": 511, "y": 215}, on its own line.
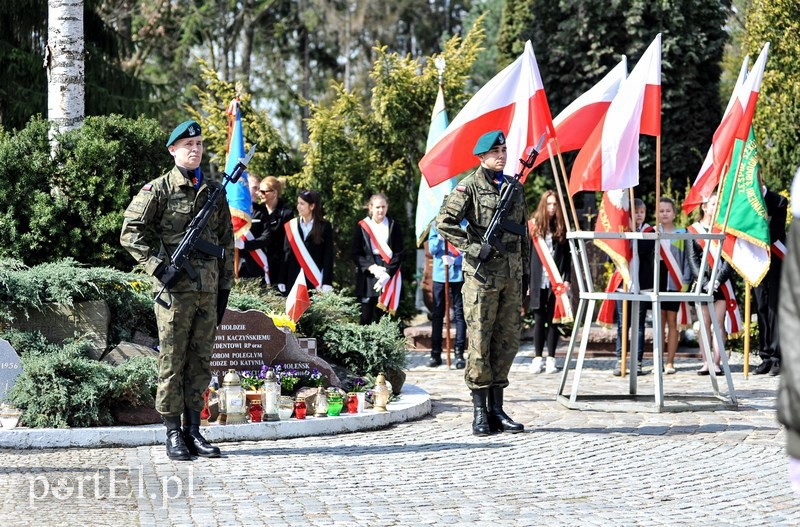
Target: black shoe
{"x": 460, "y": 362}
{"x": 195, "y": 442}
{"x": 776, "y": 368}
{"x": 176, "y": 446}
{"x": 499, "y": 421}
{"x": 480, "y": 420}
{"x": 764, "y": 367}
{"x": 436, "y": 359}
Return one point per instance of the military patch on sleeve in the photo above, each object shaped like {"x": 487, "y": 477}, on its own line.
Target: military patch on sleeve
{"x": 147, "y": 188}
{"x": 461, "y": 188}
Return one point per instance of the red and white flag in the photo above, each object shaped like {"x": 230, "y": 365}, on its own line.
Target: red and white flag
{"x": 574, "y": 124}
{"x": 711, "y": 170}
{"x": 514, "y": 101}
{"x": 298, "y": 300}
{"x": 735, "y": 124}
{"x": 610, "y": 158}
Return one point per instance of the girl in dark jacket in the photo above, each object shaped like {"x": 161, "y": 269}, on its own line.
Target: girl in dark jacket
{"x": 548, "y": 290}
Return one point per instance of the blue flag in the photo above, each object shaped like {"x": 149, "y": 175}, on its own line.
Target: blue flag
{"x": 238, "y": 194}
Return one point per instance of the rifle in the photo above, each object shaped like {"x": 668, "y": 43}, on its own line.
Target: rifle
{"x": 491, "y": 238}
{"x": 191, "y": 240}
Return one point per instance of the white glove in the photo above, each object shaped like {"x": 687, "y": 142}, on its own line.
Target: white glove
{"x": 239, "y": 243}
{"x": 282, "y": 288}
{"x": 376, "y": 270}
{"x": 326, "y": 288}
{"x": 382, "y": 279}
{"x": 448, "y": 260}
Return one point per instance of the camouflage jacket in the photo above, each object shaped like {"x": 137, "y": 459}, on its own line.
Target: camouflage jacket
{"x": 476, "y": 198}
{"x": 160, "y": 214}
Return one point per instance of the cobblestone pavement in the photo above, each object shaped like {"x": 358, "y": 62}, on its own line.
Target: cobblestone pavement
{"x": 569, "y": 468}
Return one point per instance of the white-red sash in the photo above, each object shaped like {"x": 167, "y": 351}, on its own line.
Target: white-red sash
{"x": 301, "y": 253}
{"x": 563, "y": 310}
{"x": 259, "y": 257}
{"x": 673, "y": 268}
{"x": 381, "y": 246}
{"x": 684, "y": 317}
{"x": 778, "y": 249}
{"x": 390, "y": 296}
{"x": 733, "y": 318}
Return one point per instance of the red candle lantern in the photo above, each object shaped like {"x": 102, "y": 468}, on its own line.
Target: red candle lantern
{"x": 256, "y": 412}
{"x": 300, "y": 409}
{"x": 352, "y": 403}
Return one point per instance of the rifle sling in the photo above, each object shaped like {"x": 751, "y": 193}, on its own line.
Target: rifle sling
{"x": 513, "y": 228}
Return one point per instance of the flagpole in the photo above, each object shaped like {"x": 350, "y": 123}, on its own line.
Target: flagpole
{"x": 658, "y": 333}
{"x": 447, "y": 305}
{"x": 746, "y": 328}
{"x": 558, "y": 186}
{"x": 236, "y": 262}
{"x": 624, "y": 321}
{"x": 566, "y": 185}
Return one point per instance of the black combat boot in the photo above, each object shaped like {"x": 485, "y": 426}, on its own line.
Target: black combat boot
{"x": 196, "y": 443}
{"x": 460, "y": 362}
{"x": 176, "y": 447}
{"x": 480, "y": 421}
{"x": 436, "y": 359}
{"x": 498, "y": 420}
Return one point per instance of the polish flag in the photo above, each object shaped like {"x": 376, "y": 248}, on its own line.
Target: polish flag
{"x": 610, "y": 158}
{"x": 514, "y": 101}
{"x": 298, "y": 300}
{"x": 735, "y": 125}
{"x": 574, "y": 124}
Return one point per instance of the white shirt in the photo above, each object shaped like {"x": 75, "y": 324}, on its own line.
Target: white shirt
{"x": 305, "y": 228}
{"x": 381, "y": 232}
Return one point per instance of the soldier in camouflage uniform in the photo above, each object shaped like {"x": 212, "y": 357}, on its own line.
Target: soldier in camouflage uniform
{"x": 492, "y": 309}
{"x": 162, "y": 211}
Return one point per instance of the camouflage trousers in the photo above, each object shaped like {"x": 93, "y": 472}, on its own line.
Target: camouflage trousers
{"x": 186, "y": 333}
{"x": 493, "y": 318}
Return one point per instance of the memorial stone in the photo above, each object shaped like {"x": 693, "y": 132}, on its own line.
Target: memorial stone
{"x": 58, "y": 322}
{"x": 10, "y": 368}
{"x": 247, "y": 340}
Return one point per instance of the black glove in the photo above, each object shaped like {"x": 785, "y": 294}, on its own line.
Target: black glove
{"x": 222, "y": 303}
{"x": 167, "y": 275}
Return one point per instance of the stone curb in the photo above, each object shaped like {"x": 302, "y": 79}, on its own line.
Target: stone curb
{"x": 413, "y": 404}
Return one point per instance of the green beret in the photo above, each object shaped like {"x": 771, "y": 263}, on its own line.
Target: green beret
{"x": 488, "y": 141}
{"x": 188, "y": 128}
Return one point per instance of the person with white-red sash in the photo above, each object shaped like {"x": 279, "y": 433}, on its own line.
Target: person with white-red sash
{"x": 377, "y": 252}
{"x": 675, "y": 276}
{"x": 308, "y": 246}
{"x": 721, "y": 288}
{"x": 548, "y": 288}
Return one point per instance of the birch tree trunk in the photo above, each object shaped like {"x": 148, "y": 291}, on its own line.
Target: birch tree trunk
{"x": 64, "y": 60}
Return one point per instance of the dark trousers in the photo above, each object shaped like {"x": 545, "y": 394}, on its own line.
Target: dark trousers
{"x": 437, "y": 318}
{"x": 543, "y": 328}
{"x": 643, "y": 307}
{"x": 767, "y": 310}
{"x": 369, "y": 311}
